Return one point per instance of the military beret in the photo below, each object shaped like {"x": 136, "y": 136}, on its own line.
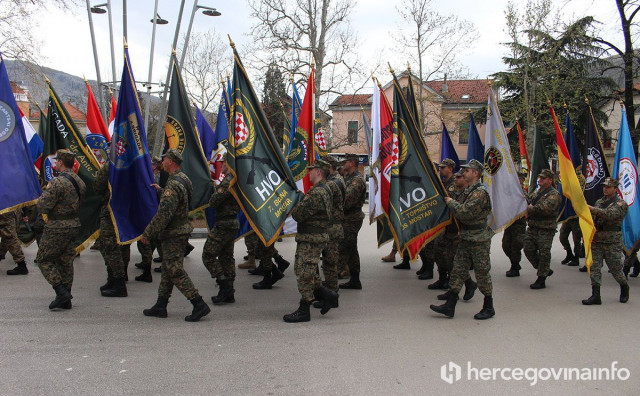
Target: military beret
{"x": 473, "y": 164}
{"x": 174, "y": 155}
{"x": 64, "y": 154}
{"x": 610, "y": 182}
{"x": 447, "y": 162}
{"x": 351, "y": 157}
{"x": 319, "y": 163}
{"x": 546, "y": 173}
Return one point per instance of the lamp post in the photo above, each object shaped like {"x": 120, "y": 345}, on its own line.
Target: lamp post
{"x": 95, "y": 58}
{"x": 98, "y": 9}
{"x": 156, "y": 20}
{"x": 209, "y": 11}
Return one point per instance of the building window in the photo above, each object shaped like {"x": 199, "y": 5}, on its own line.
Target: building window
{"x": 463, "y": 132}
{"x": 352, "y": 132}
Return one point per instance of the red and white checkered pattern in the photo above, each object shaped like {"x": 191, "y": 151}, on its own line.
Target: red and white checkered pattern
{"x": 120, "y": 148}
{"x": 322, "y": 143}
{"x": 395, "y": 151}
{"x": 241, "y": 132}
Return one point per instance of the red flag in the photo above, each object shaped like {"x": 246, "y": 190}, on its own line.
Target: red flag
{"x": 306, "y": 121}
{"x": 523, "y": 148}
{"x": 95, "y": 123}
{"x": 112, "y": 115}
{"x": 388, "y": 150}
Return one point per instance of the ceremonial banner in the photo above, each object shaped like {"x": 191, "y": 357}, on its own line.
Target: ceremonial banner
{"x": 539, "y": 161}
{"x": 446, "y": 148}
{"x": 206, "y": 132}
{"x": 62, "y": 133}
{"x": 417, "y": 211}
{"x": 182, "y": 135}
{"x": 34, "y": 141}
{"x": 302, "y": 153}
{"x": 263, "y": 184}
{"x": 375, "y": 205}
{"x": 625, "y": 169}
{"x": 133, "y": 201}
{"x": 98, "y": 136}
{"x": 18, "y": 178}
{"x": 320, "y": 139}
{"x": 475, "y": 149}
{"x": 112, "y": 115}
{"x": 594, "y": 165}
{"x": 508, "y": 202}
{"x": 566, "y": 211}
{"x": 573, "y": 191}
{"x": 524, "y": 156}
{"x": 387, "y": 146}
{"x": 290, "y": 137}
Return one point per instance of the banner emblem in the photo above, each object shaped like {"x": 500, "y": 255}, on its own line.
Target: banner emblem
{"x": 628, "y": 180}
{"x": 175, "y": 134}
{"x": 492, "y": 160}
{"x": 7, "y": 121}
{"x": 594, "y": 168}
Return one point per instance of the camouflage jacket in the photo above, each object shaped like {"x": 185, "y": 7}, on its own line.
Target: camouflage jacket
{"x": 336, "y": 184}
{"x": 354, "y": 196}
{"x": 101, "y": 187}
{"x": 313, "y": 214}
{"x": 472, "y": 212}
{"x": 172, "y": 217}
{"x": 545, "y": 208}
{"x": 608, "y": 215}
{"x": 456, "y": 194}
{"x": 9, "y": 219}
{"x": 225, "y": 204}
{"x": 60, "y": 202}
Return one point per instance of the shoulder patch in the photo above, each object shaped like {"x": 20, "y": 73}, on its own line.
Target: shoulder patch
{"x": 476, "y": 194}
{"x": 167, "y": 193}
{"x": 621, "y": 203}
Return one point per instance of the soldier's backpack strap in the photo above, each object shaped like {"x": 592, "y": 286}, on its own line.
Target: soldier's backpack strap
{"x": 540, "y": 196}
{"x": 75, "y": 184}
{"x": 186, "y": 187}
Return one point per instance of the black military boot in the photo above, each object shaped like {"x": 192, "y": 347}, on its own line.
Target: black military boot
{"x": 428, "y": 271}
{"x": 265, "y": 283}
{"x": 469, "y": 289}
{"x": 282, "y": 263}
{"x": 514, "y": 271}
{"x": 21, "y": 269}
{"x": 325, "y": 299}
{"x": 624, "y": 293}
{"x": 62, "y": 296}
{"x": 302, "y": 314}
{"x": 405, "y": 264}
{"x": 449, "y": 307}
{"x": 442, "y": 283}
{"x": 145, "y": 276}
{"x": 539, "y": 283}
{"x": 117, "y": 289}
{"x": 225, "y": 294}
{"x": 200, "y": 310}
{"x": 595, "y": 296}
{"x": 276, "y": 275}
{"x": 570, "y": 256}
{"x": 157, "y": 259}
{"x": 159, "y": 310}
{"x": 584, "y": 269}
{"x": 574, "y": 262}
{"x": 259, "y": 270}
{"x": 109, "y": 283}
{"x": 188, "y": 249}
{"x": 353, "y": 283}
{"x": 445, "y": 295}
{"x": 636, "y": 268}
{"x": 487, "y": 309}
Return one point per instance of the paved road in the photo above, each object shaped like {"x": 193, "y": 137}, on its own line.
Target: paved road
{"x": 382, "y": 340}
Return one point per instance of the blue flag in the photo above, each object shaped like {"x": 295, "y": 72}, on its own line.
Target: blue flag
{"x": 447, "y": 150}
{"x": 207, "y": 135}
{"x": 18, "y": 177}
{"x": 296, "y": 106}
{"x": 566, "y": 211}
{"x": 625, "y": 168}
{"x": 475, "y": 149}
{"x": 133, "y": 201}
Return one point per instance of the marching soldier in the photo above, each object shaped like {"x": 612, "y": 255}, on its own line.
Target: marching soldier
{"x": 353, "y": 218}
{"x": 609, "y": 212}
{"x": 60, "y": 202}
{"x": 513, "y": 240}
{"x": 171, "y": 225}
{"x": 475, "y": 243}
{"x": 10, "y": 242}
{"x": 572, "y": 226}
{"x": 146, "y": 251}
{"x": 331, "y": 253}
{"x": 543, "y": 214}
{"x": 313, "y": 215}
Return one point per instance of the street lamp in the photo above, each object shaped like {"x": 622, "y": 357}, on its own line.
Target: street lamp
{"x": 159, "y": 20}
{"x": 99, "y": 9}
{"x": 208, "y": 11}
{"x": 95, "y": 58}
{"x": 156, "y": 21}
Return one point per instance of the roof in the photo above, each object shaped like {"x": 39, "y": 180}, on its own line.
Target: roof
{"x": 17, "y": 89}
{"x": 351, "y": 100}
{"x": 462, "y": 91}
{"x": 74, "y": 112}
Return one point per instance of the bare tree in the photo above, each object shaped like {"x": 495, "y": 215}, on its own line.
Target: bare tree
{"x": 435, "y": 41}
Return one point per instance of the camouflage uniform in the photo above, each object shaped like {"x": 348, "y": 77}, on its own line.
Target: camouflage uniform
{"x": 171, "y": 225}
{"x": 440, "y": 246}
{"x": 607, "y": 241}
{"x": 313, "y": 215}
{"x": 542, "y": 227}
{"x": 475, "y": 238}
{"x": 353, "y": 218}
{"x": 331, "y": 253}
{"x": 513, "y": 241}
{"x": 571, "y": 226}
{"x": 9, "y": 236}
{"x": 109, "y": 248}
{"x": 56, "y": 251}
{"x": 217, "y": 254}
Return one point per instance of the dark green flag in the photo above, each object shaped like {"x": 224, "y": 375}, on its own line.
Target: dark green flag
{"x": 263, "y": 184}
{"x": 182, "y": 135}
{"x": 62, "y": 133}
{"x": 538, "y": 160}
{"x": 417, "y": 211}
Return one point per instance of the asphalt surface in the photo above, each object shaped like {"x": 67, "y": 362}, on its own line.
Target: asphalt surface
{"x": 383, "y": 340}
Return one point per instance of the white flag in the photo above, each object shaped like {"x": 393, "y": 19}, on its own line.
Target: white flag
{"x": 507, "y": 197}
{"x": 375, "y": 203}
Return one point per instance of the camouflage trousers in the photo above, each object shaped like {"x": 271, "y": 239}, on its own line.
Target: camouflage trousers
{"x": 427, "y": 254}
{"x": 110, "y": 250}
{"x": 571, "y": 226}
{"x": 612, "y": 254}
{"x": 450, "y": 246}
{"x": 146, "y": 251}
{"x": 217, "y": 254}
{"x": 252, "y": 241}
{"x": 513, "y": 241}
{"x": 349, "y": 244}
{"x": 438, "y": 247}
{"x": 331, "y": 257}
{"x": 173, "y": 272}
{"x": 56, "y": 253}
{"x": 472, "y": 255}
{"x": 306, "y": 268}
{"x": 9, "y": 241}
{"x": 264, "y": 254}
{"x": 537, "y": 248}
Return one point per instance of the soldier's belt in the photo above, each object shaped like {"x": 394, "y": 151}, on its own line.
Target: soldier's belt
{"x": 473, "y": 226}
{"x": 608, "y": 228}
{"x": 62, "y": 217}
{"x": 352, "y": 211}
{"x": 311, "y": 230}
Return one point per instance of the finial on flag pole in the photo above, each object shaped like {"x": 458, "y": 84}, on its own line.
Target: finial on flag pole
{"x": 233, "y": 45}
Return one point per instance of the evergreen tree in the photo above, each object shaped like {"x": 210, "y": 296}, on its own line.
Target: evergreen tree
{"x": 274, "y": 100}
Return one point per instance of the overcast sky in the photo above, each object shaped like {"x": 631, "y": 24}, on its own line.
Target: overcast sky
{"x": 66, "y": 41}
